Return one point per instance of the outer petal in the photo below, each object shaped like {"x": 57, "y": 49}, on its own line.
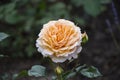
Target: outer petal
{"x": 58, "y": 59}
{"x": 44, "y": 52}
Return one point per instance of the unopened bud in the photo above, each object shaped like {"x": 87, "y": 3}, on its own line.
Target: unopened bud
{"x": 58, "y": 70}
{"x": 84, "y": 38}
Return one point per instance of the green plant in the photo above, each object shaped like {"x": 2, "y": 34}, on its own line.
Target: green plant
{"x": 40, "y": 71}
{"x": 92, "y": 7}
{"x": 2, "y": 37}
{"x": 22, "y": 19}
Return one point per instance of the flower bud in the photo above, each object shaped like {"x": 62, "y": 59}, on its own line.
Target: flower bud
{"x": 84, "y": 38}
{"x": 58, "y": 70}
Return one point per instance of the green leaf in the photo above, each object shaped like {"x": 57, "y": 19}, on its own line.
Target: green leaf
{"x": 21, "y": 74}
{"x": 70, "y": 75}
{"x": 92, "y": 7}
{"x": 57, "y": 6}
{"x": 2, "y": 9}
{"x": 30, "y": 11}
{"x": 13, "y": 17}
{"x": 30, "y": 50}
{"x": 28, "y": 24}
{"x": 59, "y": 10}
{"x": 42, "y": 5}
{"x": 5, "y": 76}
{"x": 54, "y": 77}
{"x": 3, "y": 36}
{"x": 77, "y": 3}
{"x": 1, "y": 12}
{"x": 1, "y": 16}
{"x": 105, "y": 1}
{"x": 1, "y": 56}
{"x": 9, "y": 7}
{"x": 37, "y": 71}
{"x": 43, "y": 21}
{"x": 80, "y": 67}
{"x": 90, "y": 72}
{"x": 80, "y": 21}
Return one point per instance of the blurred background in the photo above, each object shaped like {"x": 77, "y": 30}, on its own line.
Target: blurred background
{"x": 23, "y": 19}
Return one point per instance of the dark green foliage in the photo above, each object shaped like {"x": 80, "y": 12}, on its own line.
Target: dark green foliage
{"x": 88, "y": 71}
{"x": 37, "y": 71}
{"x": 23, "y": 19}
{"x": 20, "y": 75}
{"x": 3, "y": 36}
{"x": 91, "y": 7}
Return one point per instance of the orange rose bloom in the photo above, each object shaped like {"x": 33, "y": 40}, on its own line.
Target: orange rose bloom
{"x": 60, "y": 40}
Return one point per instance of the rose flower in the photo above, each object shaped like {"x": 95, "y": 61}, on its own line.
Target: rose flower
{"x": 60, "y": 40}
